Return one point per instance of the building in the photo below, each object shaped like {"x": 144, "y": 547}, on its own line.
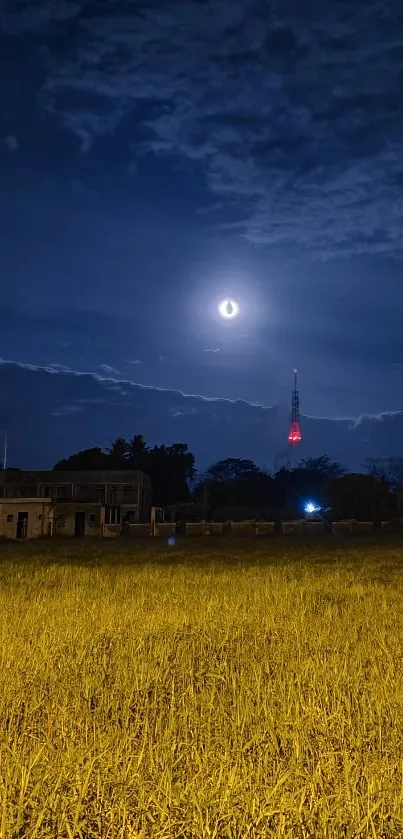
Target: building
{"x": 72, "y": 503}
{"x": 32, "y": 519}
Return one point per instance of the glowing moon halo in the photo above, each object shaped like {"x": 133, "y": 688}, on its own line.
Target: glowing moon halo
{"x": 228, "y": 309}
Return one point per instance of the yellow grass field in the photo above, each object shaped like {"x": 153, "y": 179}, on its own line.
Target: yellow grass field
{"x": 210, "y": 691}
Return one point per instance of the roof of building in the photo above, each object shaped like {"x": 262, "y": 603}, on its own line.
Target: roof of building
{"x": 73, "y": 477}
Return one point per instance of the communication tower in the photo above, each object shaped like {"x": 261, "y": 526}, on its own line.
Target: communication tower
{"x": 295, "y": 436}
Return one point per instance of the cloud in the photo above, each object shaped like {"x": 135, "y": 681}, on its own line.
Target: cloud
{"x": 67, "y": 411}
{"x": 183, "y": 413}
{"x": 23, "y": 16}
{"x": 363, "y": 419}
{"x": 134, "y": 361}
{"x": 56, "y": 366}
{"x": 70, "y": 410}
{"x": 111, "y": 383}
{"x": 11, "y": 142}
{"x": 107, "y": 368}
{"x": 212, "y": 350}
{"x": 294, "y": 111}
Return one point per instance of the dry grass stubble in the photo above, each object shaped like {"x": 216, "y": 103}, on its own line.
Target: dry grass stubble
{"x": 200, "y": 703}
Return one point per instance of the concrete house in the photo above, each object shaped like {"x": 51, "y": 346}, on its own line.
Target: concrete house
{"x": 72, "y": 503}
{"x": 29, "y": 520}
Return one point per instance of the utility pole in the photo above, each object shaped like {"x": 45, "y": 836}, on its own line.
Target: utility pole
{"x": 5, "y": 451}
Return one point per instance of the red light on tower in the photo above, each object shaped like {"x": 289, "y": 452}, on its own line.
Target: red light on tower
{"x": 295, "y": 435}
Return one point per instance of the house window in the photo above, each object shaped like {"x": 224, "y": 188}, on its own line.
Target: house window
{"x": 93, "y": 517}
{"x": 10, "y": 518}
{"x": 85, "y": 492}
{"x": 112, "y": 515}
{"x": 130, "y": 516}
{"x": 127, "y": 491}
{"x": 113, "y": 495}
{"x": 47, "y": 492}
{"x": 63, "y": 492}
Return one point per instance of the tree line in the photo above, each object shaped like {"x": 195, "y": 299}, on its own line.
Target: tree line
{"x": 236, "y": 488}
{"x": 171, "y": 468}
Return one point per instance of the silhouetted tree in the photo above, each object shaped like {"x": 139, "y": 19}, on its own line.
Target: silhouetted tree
{"x": 231, "y": 469}
{"x": 322, "y": 464}
{"x": 236, "y": 487}
{"x": 138, "y": 452}
{"x": 119, "y": 453}
{"x": 294, "y": 487}
{"x": 86, "y": 460}
{"x": 357, "y": 496}
{"x": 170, "y": 468}
{"x": 232, "y": 484}
{"x": 390, "y": 469}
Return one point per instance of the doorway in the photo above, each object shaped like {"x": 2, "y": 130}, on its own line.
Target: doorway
{"x": 22, "y": 525}
{"x": 79, "y": 529}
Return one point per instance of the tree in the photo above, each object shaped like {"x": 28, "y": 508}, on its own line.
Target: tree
{"x": 234, "y": 483}
{"x": 87, "y": 460}
{"x": 322, "y": 464}
{"x": 119, "y": 453}
{"x": 357, "y": 496}
{"x": 231, "y": 469}
{"x": 304, "y": 483}
{"x": 138, "y": 452}
{"x": 390, "y": 469}
{"x": 171, "y": 468}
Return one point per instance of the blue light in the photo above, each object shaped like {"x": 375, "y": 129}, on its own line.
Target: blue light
{"x": 171, "y": 541}
{"x": 310, "y": 507}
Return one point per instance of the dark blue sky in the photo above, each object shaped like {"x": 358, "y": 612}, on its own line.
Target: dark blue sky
{"x": 158, "y": 156}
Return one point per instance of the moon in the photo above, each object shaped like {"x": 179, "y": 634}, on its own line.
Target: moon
{"x": 228, "y": 309}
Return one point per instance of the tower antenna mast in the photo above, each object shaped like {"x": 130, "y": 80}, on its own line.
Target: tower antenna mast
{"x": 295, "y": 436}
{"x": 283, "y": 456}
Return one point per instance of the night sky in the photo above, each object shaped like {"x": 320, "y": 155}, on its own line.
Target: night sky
{"x": 156, "y": 157}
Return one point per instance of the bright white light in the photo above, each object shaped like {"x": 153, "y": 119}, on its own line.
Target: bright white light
{"x": 228, "y": 309}
{"x": 310, "y": 507}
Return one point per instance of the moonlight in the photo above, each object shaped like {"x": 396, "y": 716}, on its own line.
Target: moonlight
{"x": 228, "y": 309}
